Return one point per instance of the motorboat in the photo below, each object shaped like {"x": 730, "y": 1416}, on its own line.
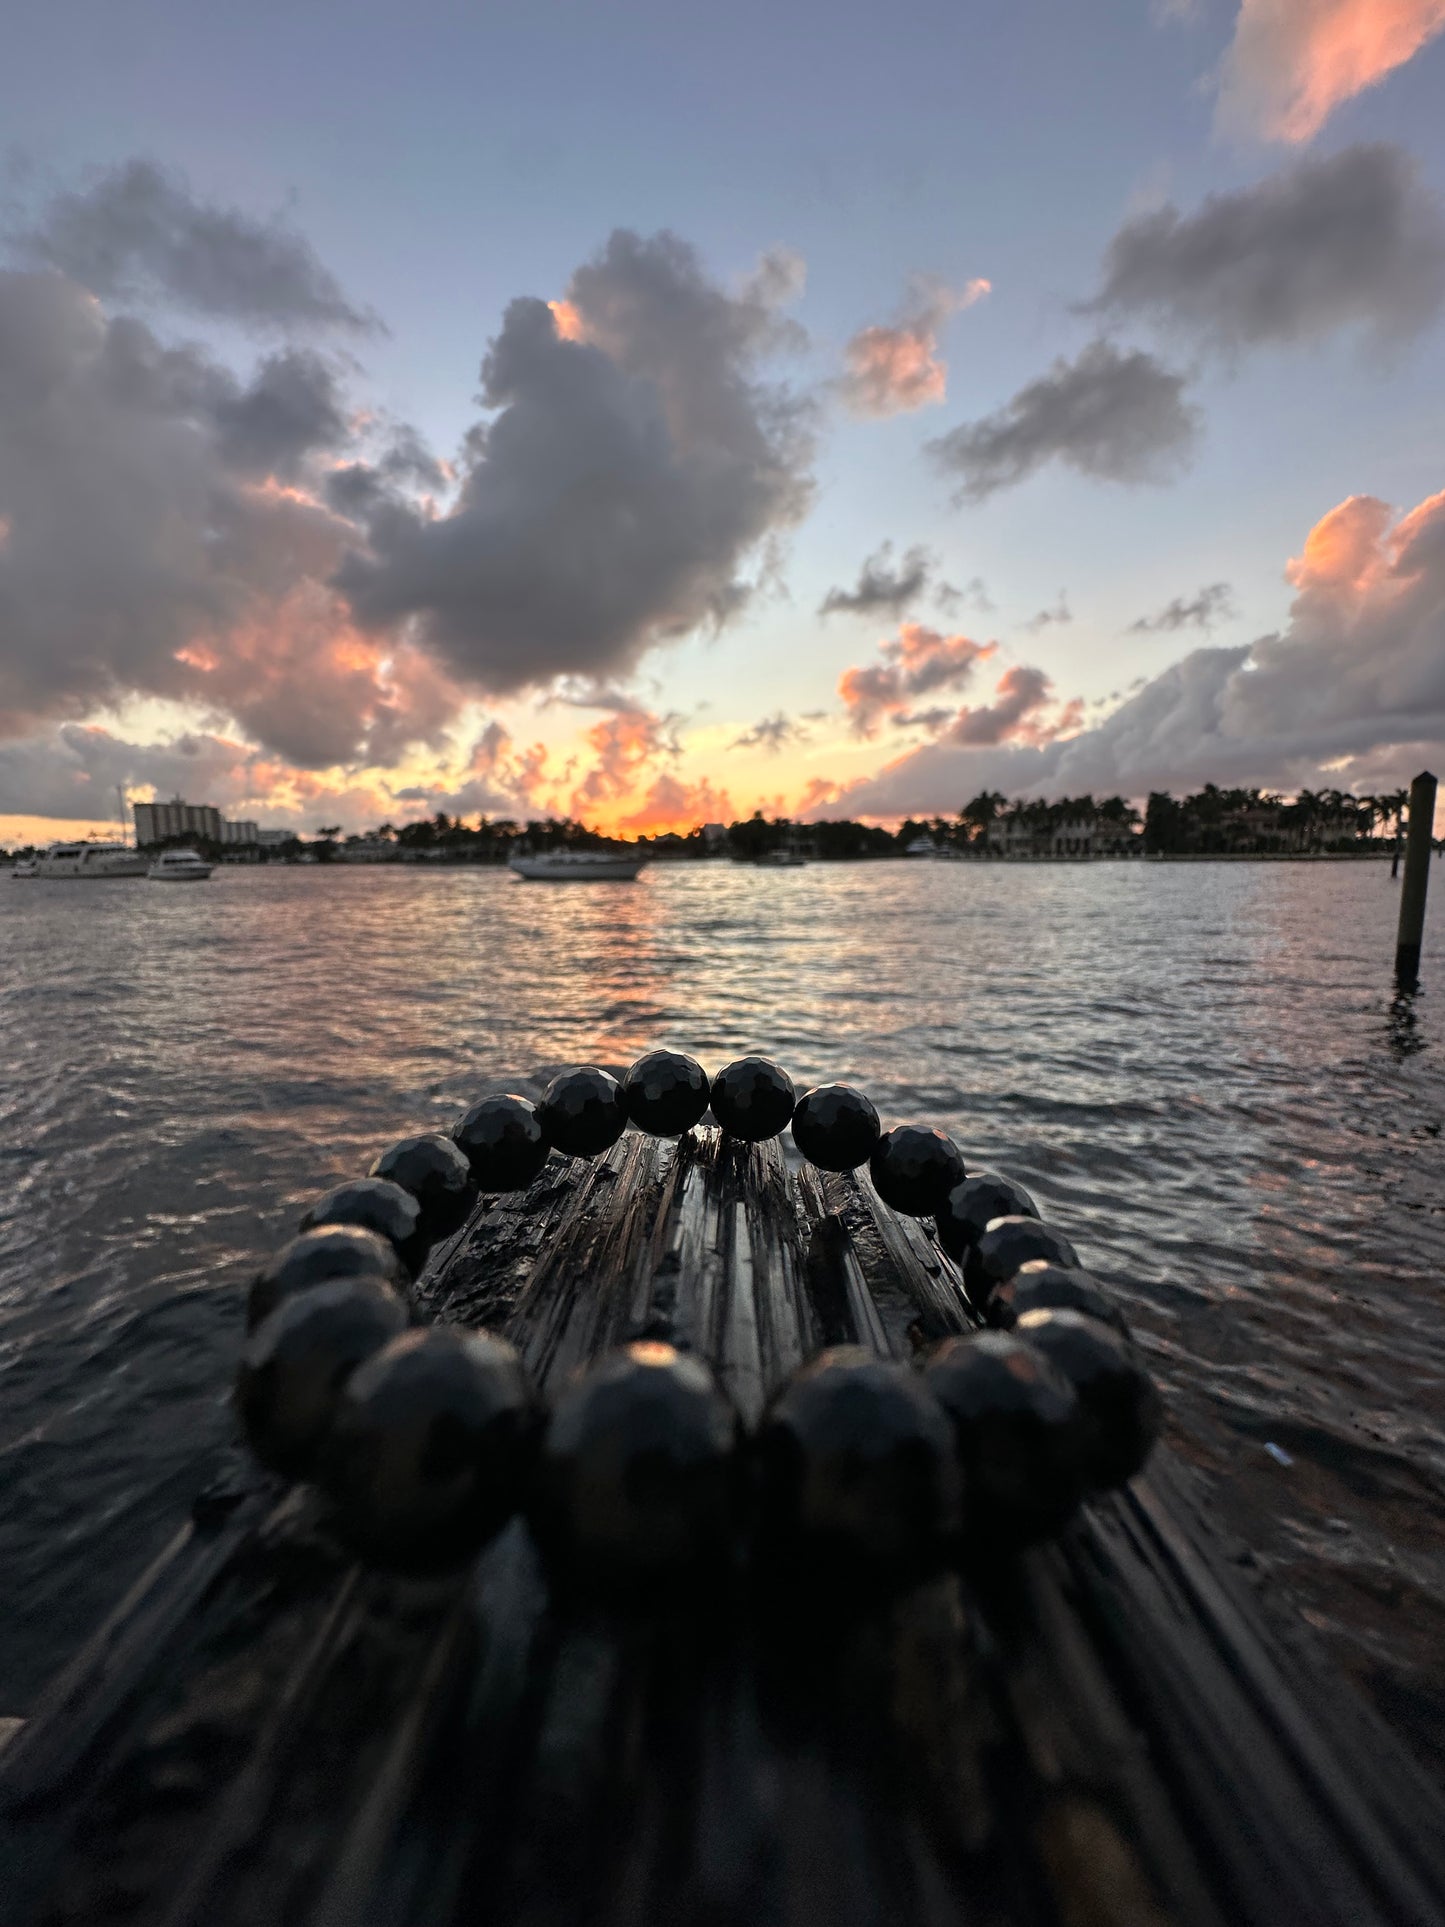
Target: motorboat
{"x": 782, "y": 860}
{"x": 179, "y": 866}
{"x": 24, "y": 866}
{"x": 576, "y": 866}
{"x": 90, "y": 862}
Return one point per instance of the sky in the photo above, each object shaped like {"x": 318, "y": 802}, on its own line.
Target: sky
{"x": 652, "y": 414}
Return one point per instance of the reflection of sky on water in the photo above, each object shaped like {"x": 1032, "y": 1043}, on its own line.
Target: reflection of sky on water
{"x": 1200, "y": 1070}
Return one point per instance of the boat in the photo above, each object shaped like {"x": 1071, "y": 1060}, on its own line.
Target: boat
{"x": 576, "y": 866}
{"x": 179, "y": 866}
{"x": 90, "y": 862}
{"x": 782, "y": 860}
{"x": 24, "y": 866}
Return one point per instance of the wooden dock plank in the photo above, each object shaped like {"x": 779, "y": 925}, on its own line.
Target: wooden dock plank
{"x": 1099, "y": 1732}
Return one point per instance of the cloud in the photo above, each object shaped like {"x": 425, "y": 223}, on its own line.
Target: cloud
{"x": 1292, "y": 62}
{"x": 291, "y": 410}
{"x": 625, "y": 744}
{"x": 634, "y": 465}
{"x": 72, "y": 773}
{"x": 916, "y": 662}
{"x": 1214, "y": 603}
{"x": 895, "y": 368}
{"x": 1354, "y": 240}
{"x": 161, "y": 539}
{"x": 884, "y": 588}
{"x": 139, "y": 235}
{"x": 1116, "y": 414}
{"x": 1021, "y": 693}
{"x": 1353, "y": 689}
{"x": 1048, "y": 618}
{"x": 671, "y": 804}
{"x": 772, "y": 734}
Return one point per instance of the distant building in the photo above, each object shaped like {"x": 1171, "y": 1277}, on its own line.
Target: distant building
{"x": 714, "y": 834}
{"x": 273, "y": 839}
{"x": 158, "y": 822}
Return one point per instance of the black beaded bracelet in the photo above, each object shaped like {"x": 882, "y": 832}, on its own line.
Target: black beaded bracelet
{"x": 427, "y": 1439}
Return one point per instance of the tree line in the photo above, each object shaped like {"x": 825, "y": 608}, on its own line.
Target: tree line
{"x": 1211, "y": 821}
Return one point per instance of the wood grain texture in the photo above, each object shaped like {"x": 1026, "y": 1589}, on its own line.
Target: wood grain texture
{"x": 1100, "y": 1732}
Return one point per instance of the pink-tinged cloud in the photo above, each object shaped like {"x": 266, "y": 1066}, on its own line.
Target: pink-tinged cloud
{"x": 671, "y": 804}
{"x": 1350, "y": 693}
{"x": 627, "y": 744}
{"x": 1292, "y": 62}
{"x": 1012, "y": 717}
{"x": 916, "y": 661}
{"x": 894, "y": 368}
{"x": 819, "y": 792}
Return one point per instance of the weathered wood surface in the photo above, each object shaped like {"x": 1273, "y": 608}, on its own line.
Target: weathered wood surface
{"x": 1102, "y": 1733}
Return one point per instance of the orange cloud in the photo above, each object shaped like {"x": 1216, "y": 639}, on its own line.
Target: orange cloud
{"x": 568, "y": 319}
{"x": 1292, "y": 62}
{"x": 625, "y": 743}
{"x": 671, "y": 804}
{"x": 916, "y": 661}
{"x": 893, "y": 369}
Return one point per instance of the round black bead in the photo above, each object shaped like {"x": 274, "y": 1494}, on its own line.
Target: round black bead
{"x": 503, "y": 1141}
{"x": 583, "y": 1112}
{"x": 437, "y": 1175}
{"x": 431, "y": 1448}
{"x": 1006, "y": 1246}
{"x": 1041, "y": 1286}
{"x": 331, "y": 1251}
{"x": 914, "y": 1169}
{"x": 298, "y": 1359}
{"x": 965, "y": 1214}
{"x": 752, "y": 1098}
{"x": 858, "y": 1473}
{"x": 1019, "y": 1434}
{"x": 1120, "y": 1405}
{"x": 835, "y": 1127}
{"x": 665, "y": 1093}
{"x": 637, "y": 1483}
{"x": 379, "y": 1206}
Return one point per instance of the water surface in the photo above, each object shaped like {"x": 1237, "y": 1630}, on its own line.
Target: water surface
{"x": 1198, "y": 1069}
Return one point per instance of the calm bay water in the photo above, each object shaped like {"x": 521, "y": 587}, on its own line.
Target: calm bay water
{"x": 1198, "y": 1069}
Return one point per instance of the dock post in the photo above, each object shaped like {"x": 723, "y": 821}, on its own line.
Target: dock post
{"x": 1417, "y": 880}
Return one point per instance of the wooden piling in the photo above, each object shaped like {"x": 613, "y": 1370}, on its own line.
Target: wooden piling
{"x": 1417, "y": 880}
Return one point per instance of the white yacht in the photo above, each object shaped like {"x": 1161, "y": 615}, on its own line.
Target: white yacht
{"x": 179, "y": 866}
{"x": 576, "y": 866}
{"x": 91, "y": 862}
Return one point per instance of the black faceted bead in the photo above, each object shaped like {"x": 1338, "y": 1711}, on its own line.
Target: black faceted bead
{"x": 1006, "y": 1246}
{"x": 665, "y": 1093}
{"x": 331, "y": 1251}
{"x": 970, "y": 1207}
{"x": 503, "y": 1141}
{"x": 1041, "y": 1286}
{"x": 1120, "y": 1405}
{"x": 858, "y": 1473}
{"x": 583, "y": 1112}
{"x": 835, "y": 1127}
{"x": 437, "y": 1175}
{"x": 379, "y": 1206}
{"x": 914, "y": 1169}
{"x": 1019, "y": 1433}
{"x": 752, "y": 1098}
{"x": 638, "y": 1480}
{"x": 431, "y": 1448}
{"x": 297, "y": 1361}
